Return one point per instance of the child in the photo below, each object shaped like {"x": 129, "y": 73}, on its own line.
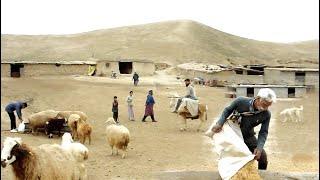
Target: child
{"x": 115, "y": 108}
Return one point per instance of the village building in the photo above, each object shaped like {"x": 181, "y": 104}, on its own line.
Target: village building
{"x": 65, "y": 68}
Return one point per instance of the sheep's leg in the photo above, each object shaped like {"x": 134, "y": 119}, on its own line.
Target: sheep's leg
{"x": 84, "y": 138}
{"x": 111, "y": 149}
{"x": 117, "y": 151}
{"x": 123, "y": 153}
{"x": 89, "y": 139}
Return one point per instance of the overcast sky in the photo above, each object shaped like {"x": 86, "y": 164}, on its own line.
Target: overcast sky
{"x": 265, "y": 20}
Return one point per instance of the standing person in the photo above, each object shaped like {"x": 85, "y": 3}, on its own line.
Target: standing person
{"x": 115, "y": 108}
{"x": 251, "y": 112}
{"x": 149, "y": 107}
{"x": 130, "y": 106}
{"x": 135, "y": 78}
{"x": 15, "y": 106}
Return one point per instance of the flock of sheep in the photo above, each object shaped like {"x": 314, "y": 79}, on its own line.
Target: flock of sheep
{"x": 65, "y": 161}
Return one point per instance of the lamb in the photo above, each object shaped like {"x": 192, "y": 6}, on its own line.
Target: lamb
{"x": 83, "y": 130}
{"x": 45, "y": 162}
{"x": 66, "y": 114}
{"x": 38, "y": 120}
{"x": 117, "y": 135}
{"x": 78, "y": 150}
{"x": 295, "y": 114}
{"x": 54, "y": 124}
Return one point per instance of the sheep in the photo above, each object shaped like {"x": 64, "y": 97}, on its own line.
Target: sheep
{"x": 45, "y": 162}
{"x": 295, "y": 114}
{"x": 55, "y": 124}
{"x": 118, "y": 136}
{"x": 78, "y": 150}
{"x": 83, "y": 130}
{"x": 66, "y": 114}
{"x": 72, "y": 125}
{"x": 38, "y": 120}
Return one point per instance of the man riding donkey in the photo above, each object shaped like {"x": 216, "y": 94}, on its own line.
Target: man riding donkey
{"x": 191, "y": 94}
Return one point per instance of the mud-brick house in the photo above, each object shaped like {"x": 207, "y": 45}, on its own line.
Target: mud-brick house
{"x": 49, "y": 68}
{"x": 125, "y": 66}
{"x": 282, "y": 91}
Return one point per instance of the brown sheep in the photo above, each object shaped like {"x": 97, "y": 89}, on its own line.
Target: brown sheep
{"x": 45, "y": 162}
{"x": 83, "y": 130}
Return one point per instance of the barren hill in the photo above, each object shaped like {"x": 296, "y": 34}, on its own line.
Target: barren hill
{"x": 172, "y": 42}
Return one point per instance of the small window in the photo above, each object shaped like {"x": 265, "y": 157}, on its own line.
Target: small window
{"x": 58, "y": 64}
{"x": 291, "y": 92}
{"x": 250, "y": 92}
{"x": 107, "y": 65}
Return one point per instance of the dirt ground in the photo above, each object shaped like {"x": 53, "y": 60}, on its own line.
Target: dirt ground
{"x": 159, "y": 146}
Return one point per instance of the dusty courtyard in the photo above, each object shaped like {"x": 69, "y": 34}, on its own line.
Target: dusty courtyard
{"x": 159, "y": 146}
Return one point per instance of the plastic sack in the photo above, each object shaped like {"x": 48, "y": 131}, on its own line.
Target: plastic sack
{"x": 232, "y": 152}
{"x": 21, "y": 127}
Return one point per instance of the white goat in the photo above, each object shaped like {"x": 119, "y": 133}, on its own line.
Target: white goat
{"x": 78, "y": 150}
{"x": 295, "y": 114}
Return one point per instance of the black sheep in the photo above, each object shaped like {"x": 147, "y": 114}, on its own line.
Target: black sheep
{"x": 54, "y": 124}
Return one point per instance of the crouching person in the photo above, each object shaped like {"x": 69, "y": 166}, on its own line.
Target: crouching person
{"x": 251, "y": 112}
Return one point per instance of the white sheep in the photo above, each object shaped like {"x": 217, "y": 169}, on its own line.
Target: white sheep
{"x": 295, "y": 114}
{"x": 118, "y": 136}
{"x": 72, "y": 119}
{"x": 38, "y": 120}
{"x": 78, "y": 150}
{"x": 45, "y": 162}
{"x": 66, "y": 114}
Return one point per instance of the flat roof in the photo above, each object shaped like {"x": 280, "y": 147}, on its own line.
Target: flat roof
{"x": 294, "y": 69}
{"x": 265, "y": 86}
{"x": 50, "y": 62}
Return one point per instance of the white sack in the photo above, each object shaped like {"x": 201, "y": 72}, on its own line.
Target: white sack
{"x": 21, "y": 127}
{"x": 233, "y": 153}
{"x": 191, "y": 105}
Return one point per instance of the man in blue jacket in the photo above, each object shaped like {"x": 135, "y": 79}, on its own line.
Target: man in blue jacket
{"x": 252, "y": 112}
{"x": 15, "y": 106}
{"x": 149, "y": 107}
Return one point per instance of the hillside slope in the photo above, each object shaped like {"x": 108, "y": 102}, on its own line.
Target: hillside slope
{"x": 172, "y": 42}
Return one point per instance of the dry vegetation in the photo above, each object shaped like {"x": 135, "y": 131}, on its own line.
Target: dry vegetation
{"x": 172, "y": 42}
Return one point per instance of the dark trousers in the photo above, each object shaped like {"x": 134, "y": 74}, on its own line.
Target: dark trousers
{"x": 144, "y": 117}
{"x": 263, "y": 161}
{"x": 115, "y": 116}
{"x": 13, "y": 120}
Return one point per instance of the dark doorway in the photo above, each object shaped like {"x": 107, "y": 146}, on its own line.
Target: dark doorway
{"x": 125, "y": 67}
{"x": 15, "y": 70}
{"x": 250, "y": 92}
{"x": 291, "y": 92}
